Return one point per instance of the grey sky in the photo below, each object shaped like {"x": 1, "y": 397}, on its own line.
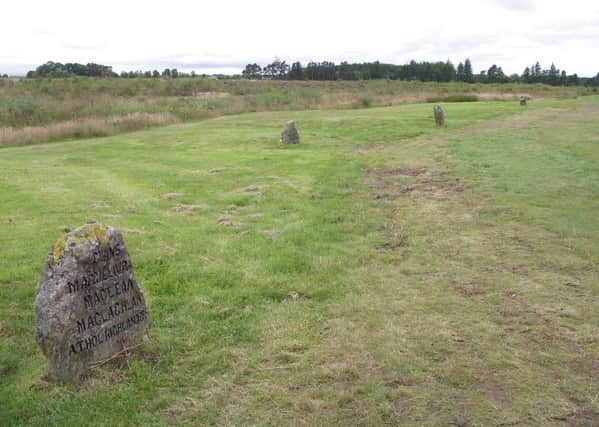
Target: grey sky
{"x": 223, "y": 36}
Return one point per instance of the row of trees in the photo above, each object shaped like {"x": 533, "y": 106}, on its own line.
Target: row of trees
{"x": 326, "y": 70}
{"x": 56, "y": 69}
{"x": 277, "y": 70}
{"x": 418, "y": 71}
{"x": 70, "y": 69}
{"x": 166, "y": 73}
{"x": 425, "y": 71}
{"x": 552, "y": 76}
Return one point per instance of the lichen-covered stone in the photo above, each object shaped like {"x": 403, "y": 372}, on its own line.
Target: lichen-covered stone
{"x": 88, "y": 305}
{"x": 289, "y": 134}
{"x": 439, "y": 116}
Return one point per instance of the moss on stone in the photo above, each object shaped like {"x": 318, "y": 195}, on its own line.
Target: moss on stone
{"x": 89, "y": 232}
{"x": 101, "y": 232}
{"x": 59, "y": 248}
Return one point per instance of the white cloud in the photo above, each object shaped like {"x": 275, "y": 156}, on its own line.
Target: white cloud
{"x": 223, "y": 36}
{"x": 521, "y": 5}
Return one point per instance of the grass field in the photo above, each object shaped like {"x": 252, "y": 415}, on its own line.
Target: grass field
{"x": 38, "y": 110}
{"x": 381, "y": 272}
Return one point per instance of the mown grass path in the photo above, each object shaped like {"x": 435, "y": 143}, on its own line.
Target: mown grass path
{"x": 382, "y": 271}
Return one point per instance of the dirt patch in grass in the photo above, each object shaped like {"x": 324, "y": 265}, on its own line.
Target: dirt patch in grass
{"x": 583, "y": 418}
{"x": 399, "y": 405}
{"x": 588, "y": 366}
{"x": 396, "y": 237}
{"x": 400, "y": 382}
{"x": 217, "y": 170}
{"x": 169, "y": 196}
{"x": 468, "y": 288}
{"x": 441, "y": 184}
{"x": 397, "y": 171}
{"x": 187, "y": 209}
{"x": 231, "y": 209}
{"x": 228, "y": 222}
{"x": 255, "y": 188}
{"x": 272, "y": 233}
{"x": 495, "y": 394}
{"x": 395, "y": 182}
{"x": 461, "y": 417}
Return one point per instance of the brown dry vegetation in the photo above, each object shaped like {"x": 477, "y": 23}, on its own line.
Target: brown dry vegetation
{"x": 54, "y": 109}
{"x": 84, "y": 128}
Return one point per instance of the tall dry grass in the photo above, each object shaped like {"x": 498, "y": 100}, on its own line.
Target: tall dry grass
{"x": 39, "y": 110}
{"x": 84, "y": 128}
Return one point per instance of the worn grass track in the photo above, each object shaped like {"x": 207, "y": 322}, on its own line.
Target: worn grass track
{"x": 380, "y": 272}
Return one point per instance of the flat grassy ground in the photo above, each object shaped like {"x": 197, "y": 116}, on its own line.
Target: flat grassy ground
{"x": 381, "y": 272}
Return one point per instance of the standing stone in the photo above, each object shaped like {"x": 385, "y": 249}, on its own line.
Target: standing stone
{"x": 523, "y": 101}
{"x": 289, "y": 135}
{"x": 88, "y": 305}
{"x": 439, "y": 116}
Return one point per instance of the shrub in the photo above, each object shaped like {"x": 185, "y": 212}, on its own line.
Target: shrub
{"x": 365, "y": 101}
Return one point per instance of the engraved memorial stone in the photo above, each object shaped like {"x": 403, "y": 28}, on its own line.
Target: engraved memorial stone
{"x": 88, "y": 305}
{"x": 439, "y": 116}
{"x": 289, "y": 135}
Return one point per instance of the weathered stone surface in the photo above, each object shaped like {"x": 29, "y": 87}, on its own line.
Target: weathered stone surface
{"x": 439, "y": 116}
{"x": 88, "y": 305}
{"x": 289, "y": 135}
{"x": 523, "y": 101}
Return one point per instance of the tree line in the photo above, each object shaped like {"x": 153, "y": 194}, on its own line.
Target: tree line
{"x": 166, "y": 73}
{"x": 413, "y": 71}
{"x": 56, "y": 69}
{"x": 70, "y": 69}
{"x": 327, "y": 70}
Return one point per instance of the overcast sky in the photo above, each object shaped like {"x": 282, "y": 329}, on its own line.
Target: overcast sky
{"x": 222, "y": 36}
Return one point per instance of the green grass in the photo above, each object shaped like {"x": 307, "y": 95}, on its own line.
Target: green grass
{"x": 40, "y": 110}
{"x": 460, "y": 289}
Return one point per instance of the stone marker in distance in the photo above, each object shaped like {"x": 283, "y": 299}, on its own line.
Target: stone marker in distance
{"x": 439, "y": 116}
{"x": 88, "y": 305}
{"x": 289, "y": 134}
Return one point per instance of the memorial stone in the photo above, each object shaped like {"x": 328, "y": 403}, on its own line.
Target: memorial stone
{"x": 439, "y": 116}
{"x": 289, "y": 135}
{"x": 88, "y": 305}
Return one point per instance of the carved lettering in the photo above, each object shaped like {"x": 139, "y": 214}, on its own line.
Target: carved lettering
{"x": 99, "y": 309}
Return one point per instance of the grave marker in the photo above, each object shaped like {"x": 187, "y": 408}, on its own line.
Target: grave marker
{"x": 88, "y": 305}
{"x": 439, "y": 116}
{"x": 289, "y": 135}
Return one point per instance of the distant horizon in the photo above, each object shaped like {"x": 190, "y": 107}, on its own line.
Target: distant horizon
{"x": 214, "y": 38}
{"x": 233, "y": 71}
